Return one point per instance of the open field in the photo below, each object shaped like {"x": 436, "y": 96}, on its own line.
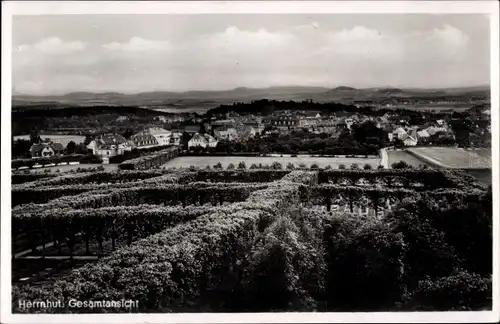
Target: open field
{"x": 396, "y": 156}
{"x": 450, "y": 157}
{"x": 203, "y": 161}
{"x": 63, "y": 139}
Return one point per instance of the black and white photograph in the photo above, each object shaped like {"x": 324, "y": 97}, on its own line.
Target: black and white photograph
{"x": 257, "y": 160}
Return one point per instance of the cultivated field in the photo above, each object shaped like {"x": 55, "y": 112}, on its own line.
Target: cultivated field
{"x": 63, "y": 139}
{"x": 203, "y": 161}
{"x": 450, "y": 157}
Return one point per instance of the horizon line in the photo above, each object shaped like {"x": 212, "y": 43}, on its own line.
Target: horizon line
{"x": 251, "y": 88}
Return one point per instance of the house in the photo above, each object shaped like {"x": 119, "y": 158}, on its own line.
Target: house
{"x": 423, "y": 136}
{"x": 400, "y": 133}
{"x": 161, "y": 135}
{"x": 121, "y": 119}
{"x": 285, "y": 121}
{"x": 197, "y": 141}
{"x": 212, "y": 141}
{"x": 434, "y": 130}
{"x": 109, "y": 145}
{"x": 46, "y": 149}
{"x": 253, "y": 122}
{"x": 409, "y": 140}
{"x": 223, "y": 123}
{"x": 143, "y": 140}
{"x": 176, "y": 138}
{"x": 162, "y": 119}
{"x": 245, "y": 132}
{"x": 228, "y": 134}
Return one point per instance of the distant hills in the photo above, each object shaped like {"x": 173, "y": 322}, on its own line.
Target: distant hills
{"x": 211, "y": 99}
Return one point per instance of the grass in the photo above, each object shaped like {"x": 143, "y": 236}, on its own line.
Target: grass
{"x": 451, "y": 157}
{"x": 203, "y": 161}
{"x": 396, "y": 156}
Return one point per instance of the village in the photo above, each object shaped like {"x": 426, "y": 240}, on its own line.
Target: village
{"x": 202, "y": 133}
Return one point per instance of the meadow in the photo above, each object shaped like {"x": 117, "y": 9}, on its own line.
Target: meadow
{"x": 400, "y": 155}
{"x": 451, "y": 157}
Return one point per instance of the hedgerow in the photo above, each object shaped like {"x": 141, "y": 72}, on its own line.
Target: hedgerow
{"x": 270, "y": 252}
{"x": 173, "y": 268}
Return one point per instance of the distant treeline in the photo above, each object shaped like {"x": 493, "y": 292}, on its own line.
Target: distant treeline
{"x": 267, "y": 107}
{"x": 29, "y": 117}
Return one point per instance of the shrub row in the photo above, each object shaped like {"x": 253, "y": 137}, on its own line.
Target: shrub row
{"x": 100, "y": 198}
{"x": 94, "y": 177}
{"x": 150, "y": 161}
{"x": 15, "y": 164}
{"x": 174, "y": 268}
{"x": 131, "y": 194}
{"x": 22, "y": 178}
{"x": 240, "y": 175}
{"x": 64, "y": 225}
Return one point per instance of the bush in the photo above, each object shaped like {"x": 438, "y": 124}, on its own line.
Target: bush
{"x": 367, "y": 167}
{"x": 365, "y": 261}
{"x": 302, "y": 166}
{"x": 458, "y": 292}
{"x": 290, "y": 166}
{"x": 242, "y": 165}
{"x": 380, "y": 167}
{"x": 314, "y": 166}
{"x": 342, "y": 167}
{"x": 254, "y": 166}
{"x": 218, "y": 166}
{"x": 231, "y": 166}
{"x": 276, "y": 166}
{"x": 100, "y": 168}
{"x": 328, "y": 167}
{"x": 400, "y": 165}
{"x": 354, "y": 166}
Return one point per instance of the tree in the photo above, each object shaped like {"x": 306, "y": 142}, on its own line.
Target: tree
{"x": 128, "y": 133}
{"x": 21, "y": 148}
{"x": 35, "y": 137}
{"x": 71, "y": 147}
{"x": 231, "y": 166}
{"x": 354, "y": 166}
{"x": 367, "y": 167}
{"x": 242, "y": 165}
{"x": 342, "y": 166}
{"x": 218, "y": 166}
{"x": 88, "y": 139}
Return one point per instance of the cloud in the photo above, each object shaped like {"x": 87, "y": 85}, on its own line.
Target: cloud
{"x": 138, "y": 44}
{"x": 301, "y": 54}
{"x": 53, "y": 45}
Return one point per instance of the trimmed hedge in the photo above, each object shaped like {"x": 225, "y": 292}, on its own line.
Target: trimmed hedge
{"x": 135, "y": 193}
{"x": 150, "y": 161}
{"x": 172, "y": 269}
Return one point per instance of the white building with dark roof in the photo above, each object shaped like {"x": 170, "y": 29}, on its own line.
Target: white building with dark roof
{"x": 109, "y": 145}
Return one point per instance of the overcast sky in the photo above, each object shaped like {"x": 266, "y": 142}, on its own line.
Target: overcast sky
{"x": 135, "y": 53}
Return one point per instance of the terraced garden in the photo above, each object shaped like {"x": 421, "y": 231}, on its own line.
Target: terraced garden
{"x": 198, "y": 240}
